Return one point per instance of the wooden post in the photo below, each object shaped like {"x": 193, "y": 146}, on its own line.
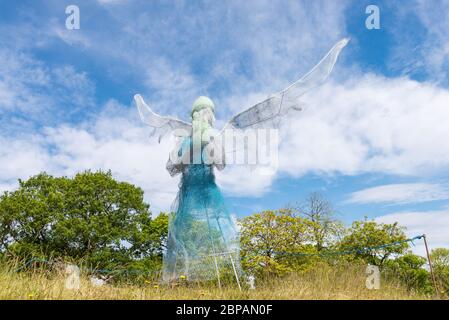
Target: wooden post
{"x": 430, "y": 266}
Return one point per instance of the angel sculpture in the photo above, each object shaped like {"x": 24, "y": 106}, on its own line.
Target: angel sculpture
{"x": 203, "y": 241}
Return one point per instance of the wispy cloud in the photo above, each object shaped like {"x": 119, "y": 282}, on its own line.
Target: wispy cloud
{"x": 421, "y": 35}
{"x": 32, "y": 93}
{"x": 401, "y": 193}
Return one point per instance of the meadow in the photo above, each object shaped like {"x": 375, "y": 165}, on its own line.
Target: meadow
{"x": 319, "y": 283}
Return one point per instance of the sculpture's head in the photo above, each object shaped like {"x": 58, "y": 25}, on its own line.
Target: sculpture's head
{"x": 203, "y": 112}
{"x": 202, "y": 118}
{"x": 203, "y": 102}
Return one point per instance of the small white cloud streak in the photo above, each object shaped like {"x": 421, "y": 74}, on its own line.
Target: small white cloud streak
{"x": 401, "y": 193}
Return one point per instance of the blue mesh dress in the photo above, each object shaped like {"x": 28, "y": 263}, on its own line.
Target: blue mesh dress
{"x": 203, "y": 240}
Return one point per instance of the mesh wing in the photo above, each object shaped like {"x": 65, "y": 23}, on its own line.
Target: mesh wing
{"x": 161, "y": 124}
{"x": 269, "y": 112}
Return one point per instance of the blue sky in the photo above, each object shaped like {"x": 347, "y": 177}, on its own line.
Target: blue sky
{"x": 373, "y": 139}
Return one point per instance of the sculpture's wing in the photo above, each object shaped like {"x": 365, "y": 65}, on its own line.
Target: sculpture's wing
{"x": 161, "y": 124}
{"x": 269, "y": 112}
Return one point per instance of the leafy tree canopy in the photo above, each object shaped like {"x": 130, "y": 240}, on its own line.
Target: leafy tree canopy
{"x": 440, "y": 261}
{"x": 370, "y": 234}
{"x": 90, "y": 216}
{"x": 267, "y": 235}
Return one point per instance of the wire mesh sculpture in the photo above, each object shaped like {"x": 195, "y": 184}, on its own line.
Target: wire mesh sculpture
{"x": 203, "y": 240}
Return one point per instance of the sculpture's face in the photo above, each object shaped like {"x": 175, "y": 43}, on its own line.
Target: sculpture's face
{"x": 202, "y": 123}
{"x": 203, "y": 118}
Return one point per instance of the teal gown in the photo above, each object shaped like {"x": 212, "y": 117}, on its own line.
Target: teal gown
{"x": 203, "y": 241}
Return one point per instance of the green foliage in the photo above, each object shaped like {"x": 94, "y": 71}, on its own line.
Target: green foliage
{"x": 90, "y": 217}
{"x": 363, "y": 234}
{"x": 265, "y": 235}
{"x": 440, "y": 262}
{"x": 409, "y": 268}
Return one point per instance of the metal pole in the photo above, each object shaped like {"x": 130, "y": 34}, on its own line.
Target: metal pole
{"x": 430, "y": 265}
{"x": 235, "y": 272}
{"x": 216, "y": 270}
{"x": 213, "y": 247}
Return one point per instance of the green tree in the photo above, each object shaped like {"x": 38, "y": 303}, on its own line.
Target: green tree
{"x": 90, "y": 217}
{"x": 28, "y": 214}
{"x": 440, "y": 262}
{"x": 266, "y": 235}
{"x": 409, "y": 268}
{"x": 365, "y": 239}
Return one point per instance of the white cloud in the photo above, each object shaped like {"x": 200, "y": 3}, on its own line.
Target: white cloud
{"x": 119, "y": 144}
{"x": 401, "y": 193}
{"x": 8, "y": 187}
{"x": 22, "y": 157}
{"x": 370, "y": 124}
{"x": 434, "y": 224}
{"x": 33, "y": 93}
{"x": 241, "y": 181}
{"x": 71, "y": 37}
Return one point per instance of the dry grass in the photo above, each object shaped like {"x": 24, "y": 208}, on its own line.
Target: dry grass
{"x": 321, "y": 283}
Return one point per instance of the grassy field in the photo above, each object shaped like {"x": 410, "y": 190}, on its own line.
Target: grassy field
{"x": 321, "y": 283}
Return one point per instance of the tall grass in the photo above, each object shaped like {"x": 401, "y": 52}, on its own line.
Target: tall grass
{"x": 323, "y": 282}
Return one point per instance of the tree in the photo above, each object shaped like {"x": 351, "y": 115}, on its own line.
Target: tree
{"x": 321, "y": 213}
{"x": 409, "y": 268}
{"x": 440, "y": 261}
{"x": 367, "y": 239}
{"x": 90, "y": 217}
{"x": 28, "y": 214}
{"x": 266, "y": 236}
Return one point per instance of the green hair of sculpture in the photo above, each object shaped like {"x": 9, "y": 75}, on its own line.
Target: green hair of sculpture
{"x": 202, "y": 102}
